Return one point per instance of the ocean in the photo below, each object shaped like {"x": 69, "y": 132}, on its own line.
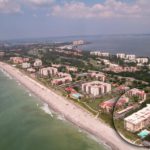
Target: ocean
{"x": 26, "y": 123}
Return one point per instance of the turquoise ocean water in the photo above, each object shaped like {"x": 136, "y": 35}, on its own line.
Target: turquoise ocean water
{"x": 26, "y": 123}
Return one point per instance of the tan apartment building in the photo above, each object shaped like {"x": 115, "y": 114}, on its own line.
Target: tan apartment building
{"x": 138, "y": 120}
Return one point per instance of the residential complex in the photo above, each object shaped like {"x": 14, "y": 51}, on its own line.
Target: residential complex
{"x": 48, "y": 71}
{"x": 136, "y": 92}
{"x": 121, "y": 55}
{"x": 142, "y": 60}
{"x": 37, "y": 63}
{"x": 26, "y": 65}
{"x": 99, "y": 53}
{"x": 138, "y": 120}
{"x": 98, "y": 75}
{"x": 63, "y": 78}
{"x": 96, "y": 88}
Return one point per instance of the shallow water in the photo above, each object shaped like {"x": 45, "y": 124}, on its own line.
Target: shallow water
{"x": 26, "y": 123}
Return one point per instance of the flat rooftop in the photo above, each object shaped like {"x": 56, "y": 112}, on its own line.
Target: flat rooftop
{"x": 139, "y": 116}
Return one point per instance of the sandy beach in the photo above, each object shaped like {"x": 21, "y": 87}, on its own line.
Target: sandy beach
{"x": 71, "y": 111}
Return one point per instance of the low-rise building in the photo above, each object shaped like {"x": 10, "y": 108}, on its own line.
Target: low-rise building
{"x": 26, "y": 65}
{"x": 31, "y": 70}
{"x": 121, "y": 55}
{"x": 48, "y": 71}
{"x": 61, "y": 80}
{"x": 78, "y": 42}
{"x": 96, "y": 88}
{"x": 99, "y": 53}
{"x": 131, "y": 57}
{"x": 37, "y": 63}
{"x": 71, "y": 68}
{"x": 18, "y": 60}
{"x": 98, "y": 75}
{"x": 142, "y": 60}
{"x": 138, "y": 120}
{"x": 110, "y": 104}
{"x": 136, "y": 92}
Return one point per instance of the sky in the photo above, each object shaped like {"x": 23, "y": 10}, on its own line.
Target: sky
{"x": 49, "y": 18}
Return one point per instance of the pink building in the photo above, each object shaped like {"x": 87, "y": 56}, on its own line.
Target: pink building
{"x": 99, "y": 76}
{"x": 136, "y": 92}
{"x": 63, "y": 78}
{"x": 18, "y": 60}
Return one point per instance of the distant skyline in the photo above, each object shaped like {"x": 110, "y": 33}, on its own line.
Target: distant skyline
{"x": 50, "y": 18}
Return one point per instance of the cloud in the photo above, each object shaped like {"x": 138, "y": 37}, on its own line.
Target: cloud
{"x": 9, "y": 6}
{"x": 39, "y": 3}
{"x": 107, "y": 9}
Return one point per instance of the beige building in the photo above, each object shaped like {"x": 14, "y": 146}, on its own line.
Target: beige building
{"x": 96, "y": 88}
{"x": 142, "y": 60}
{"x": 138, "y": 120}
{"x": 37, "y": 63}
{"x": 131, "y": 57}
{"x": 121, "y": 55}
{"x": 78, "y": 42}
{"x": 26, "y": 65}
{"x": 63, "y": 78}
{"x": 49, "y": 70}
{"x": 98, "y": 75}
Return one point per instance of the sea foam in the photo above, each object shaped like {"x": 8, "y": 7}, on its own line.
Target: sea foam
{"x": 46, "y": 109}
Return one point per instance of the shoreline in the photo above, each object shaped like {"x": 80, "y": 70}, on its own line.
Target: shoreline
{"x": 71, "y": 112}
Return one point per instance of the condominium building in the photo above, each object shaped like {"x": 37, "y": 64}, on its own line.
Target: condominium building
{"x": 71, "y": 68}
{"x": 138, "y": 120}
{"x": 136, "y": 92}
{"x": 98, "y": 75}
{"x": 26, "y": 65}
{"x": 121, "y": 55}
{"x": 61, "y": 80}
{"x": 18, "y": 60}
{"x": 78, "y": 42}
{"x": 99, "y": 53}
{"x": 48, "y": 71}
{"x": 37, "y": 63}
{"x": 131, "y": 57}
{"x": 96, "y": 88}
{"x": 142, "y": 60}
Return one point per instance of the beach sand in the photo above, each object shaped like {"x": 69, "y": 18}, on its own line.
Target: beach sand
{"x": 71, "y": 111}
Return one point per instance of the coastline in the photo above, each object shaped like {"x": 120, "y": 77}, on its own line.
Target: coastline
{"x": 70, "y": 111}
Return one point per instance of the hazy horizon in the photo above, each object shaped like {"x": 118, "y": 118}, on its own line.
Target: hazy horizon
{"x": 53, "y": 18}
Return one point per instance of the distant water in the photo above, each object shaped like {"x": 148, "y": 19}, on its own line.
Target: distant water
{"x": 138, "y": 44}
{"x": 28, "y": 124}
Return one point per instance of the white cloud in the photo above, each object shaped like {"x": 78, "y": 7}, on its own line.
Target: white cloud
{"x": 108, "y": 9}
{"x": 9, "y": 6}
{"x": 39, "y": 3}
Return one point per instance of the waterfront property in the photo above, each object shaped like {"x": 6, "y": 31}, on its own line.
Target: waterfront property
{"x": 138, "y": 120}
{"x": 63, "y": 78}
{"x": 48, "y": 71}
{"x": 96, "y": 88}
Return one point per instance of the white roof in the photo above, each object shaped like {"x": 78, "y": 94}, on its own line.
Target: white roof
{"x": 139, "y": 116}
